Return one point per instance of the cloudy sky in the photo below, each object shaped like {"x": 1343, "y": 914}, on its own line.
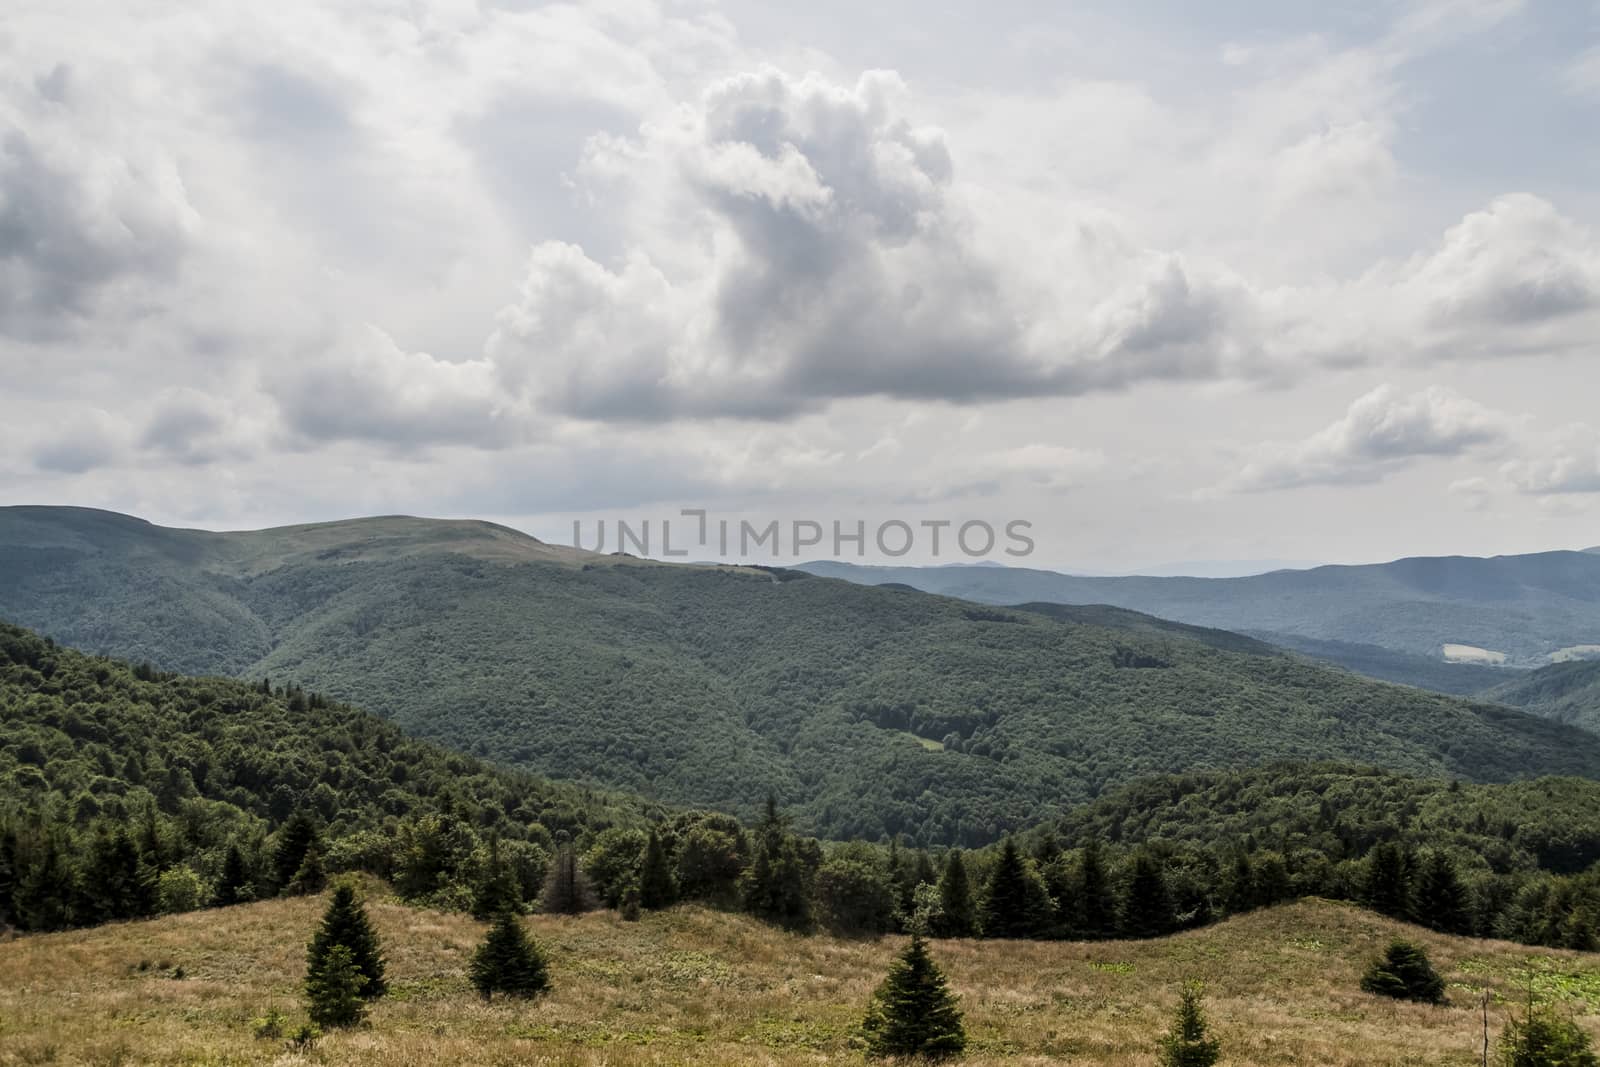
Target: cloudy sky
{"x": 1299, "y": 281}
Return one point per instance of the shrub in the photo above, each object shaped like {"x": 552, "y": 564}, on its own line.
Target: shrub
{"x": 1543, "y": 1039}
{"x": 1404, "y": 973}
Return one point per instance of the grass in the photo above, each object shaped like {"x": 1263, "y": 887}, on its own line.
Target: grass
{"x": 695, "y": 986}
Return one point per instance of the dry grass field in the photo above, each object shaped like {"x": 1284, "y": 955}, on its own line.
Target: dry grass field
{"x": 695, "y": 986}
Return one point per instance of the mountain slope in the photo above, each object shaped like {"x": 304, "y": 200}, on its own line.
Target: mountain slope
{"x": 1566, "y": 692}
{"x": 868, "y": 711}
{"x": 1527, "y": 607}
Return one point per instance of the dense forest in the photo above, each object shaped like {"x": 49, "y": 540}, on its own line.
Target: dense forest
{"x": 125, "y": 792}
{"x": 873, "y": 713}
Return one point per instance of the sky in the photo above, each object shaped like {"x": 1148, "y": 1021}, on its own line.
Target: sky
{"x": 1246, "y": 280}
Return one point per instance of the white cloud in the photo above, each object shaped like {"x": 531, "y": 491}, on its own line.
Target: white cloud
{"x": 1567, "y": 462}
{"x": 1379, "y": 434}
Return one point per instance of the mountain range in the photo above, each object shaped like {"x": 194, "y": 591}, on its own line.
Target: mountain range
{"x": 869, "y": 711}
{"x": 1511, "y": 610}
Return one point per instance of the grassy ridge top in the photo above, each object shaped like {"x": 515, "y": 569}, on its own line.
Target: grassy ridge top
{"x": 695, "y": 985}
{"x": 868, "y": 711}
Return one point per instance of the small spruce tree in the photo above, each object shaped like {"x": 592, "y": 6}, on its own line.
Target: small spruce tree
{"x": 1188, "y": 1044}
{"x": 913, "y": 1013}
{"x": 335, "y": 989}
{"x": 1404, "y": 973}
{"x": 346, "y": 924}
{"x": 508, "y": 962}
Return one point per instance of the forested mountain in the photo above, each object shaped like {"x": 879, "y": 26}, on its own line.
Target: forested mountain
{"x": 867, "y": 711}
{"x": 1567, "y": 692}
{"x": 111, "y": 774}
{"x": 1526, "y": 607}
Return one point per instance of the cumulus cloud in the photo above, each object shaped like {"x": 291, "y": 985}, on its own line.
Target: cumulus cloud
{"x": 1379, "y": 433}
{"x": 831, "y": 257}
{"x": 85, "y": 206}
{"x": 1518, "y": 262}
{"x": 1567, "y": 462}
{"x": 363, "y": 386}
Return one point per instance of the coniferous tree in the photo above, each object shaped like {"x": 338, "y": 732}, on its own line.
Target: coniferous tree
{"x": 1438, "y": 899}
{"x": 8, "y": 876}
{"x": 508, "y": 962}
{"x": 233, "y": 886}
{"x": 44, "y": 888}
{"x": 777, "y": 885}
{"x": 336, "y": 989}
{"x": 1097, "y": 913}
{"x": 345, "y": 923}
{"x": 913, "y": 1013}
{"x": 295, "y": 838}
{"x": 116, "y": 883}
{"x": 1147, "y": 906}
{"x": 656, "y": 886}
{"x": 1241, "y": 893}
{"x": 1404, "y": 973}
{"x": 1011, "y": 903}
{"x": 1386, "y": 886}
{"x": 312, "y": 877}
{"x": 496, "y": 890}
{"x": 1188, "y": 1044}
{"x": 958, "y": 917}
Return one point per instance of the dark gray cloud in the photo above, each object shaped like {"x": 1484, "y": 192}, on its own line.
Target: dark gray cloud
{"x": 80, "y": 211}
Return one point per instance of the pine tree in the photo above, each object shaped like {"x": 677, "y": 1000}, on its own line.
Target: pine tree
{"x": 1241, "y": 885}
{"x": 312, "y": 877}
{"x": 1096, "y": 908}
{"x": 495, "y": 890}
{"x": 1147, "y": 907}
{"x": 295, "y": 838}
{"x": 233, "y": 886}
{"x": 656, "y": 886}
{"x": 508, "y": 962}
{"x": 1439, "y": 900}
{"x": 44, "y": 888}
{"x": 1404, "y": 973}
{"x": 345, "y": 924}
{"x": 116, "y": 883}
{"x": 1011, "y": 903}
{"x": 958, "y": 917}
{"x": 1188, "y": 1044}
{"x": 1387, "y": 885}
{"x": 336, "y": 989}
{"x": 777, "y": 885}
{"x": 913, "y": 1013}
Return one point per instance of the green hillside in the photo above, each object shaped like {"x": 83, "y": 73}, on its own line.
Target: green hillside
{"x": 1550, "y": 824}
{"x": 1566, "y": 692}
{"x": 1527, "y": 607}
{"x": 109, "y": 773}
{"x": 868, "y": 711}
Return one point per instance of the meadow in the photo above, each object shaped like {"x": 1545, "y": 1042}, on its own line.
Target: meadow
{"x": 692, "y": 985}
